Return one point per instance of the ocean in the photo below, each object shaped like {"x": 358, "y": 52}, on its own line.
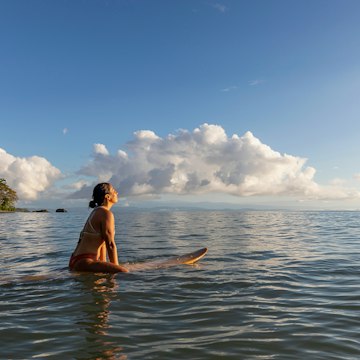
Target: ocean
{"x": 274, "y": 285}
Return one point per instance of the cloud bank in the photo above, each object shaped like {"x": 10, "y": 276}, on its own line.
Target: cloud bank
{"x": 205, "y": 161}
{"x": 28, "y": 176}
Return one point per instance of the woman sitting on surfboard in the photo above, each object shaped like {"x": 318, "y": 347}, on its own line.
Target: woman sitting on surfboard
{"x": 98, "y": 235}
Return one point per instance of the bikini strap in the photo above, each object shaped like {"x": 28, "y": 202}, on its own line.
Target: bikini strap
{"x": 88, "y": 221}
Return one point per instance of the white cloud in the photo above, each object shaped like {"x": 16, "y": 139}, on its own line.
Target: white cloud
{"x": 230, "y": 88}
{"x": 100, "y": 149}
{"x": 220, "y": 7}
{"x": 65, "y": 131}
{"x": 28, "y": 176}
{"x": 205, "y": 161}
{"x": 338, "y": 182}
{"x": 256, "y": 82}
{"x": 77, "y": 185}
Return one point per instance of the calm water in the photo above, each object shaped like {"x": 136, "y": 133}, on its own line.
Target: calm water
{"x": 274, "y": 285}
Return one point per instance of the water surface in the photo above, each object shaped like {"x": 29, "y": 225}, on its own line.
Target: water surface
{"x": 274, "y": 285}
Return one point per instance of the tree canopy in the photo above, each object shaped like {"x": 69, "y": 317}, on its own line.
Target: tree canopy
{"x": 8, "y": 197}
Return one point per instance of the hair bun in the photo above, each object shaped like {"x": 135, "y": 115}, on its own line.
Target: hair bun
{"x": 92, "y": 204}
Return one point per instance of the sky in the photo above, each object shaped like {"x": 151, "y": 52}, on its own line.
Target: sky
{"x": 246, "y": 103}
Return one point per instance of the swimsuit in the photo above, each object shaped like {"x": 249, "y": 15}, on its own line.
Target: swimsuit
{"x": 75, "y": 258}
{"x": 93, "y": 231}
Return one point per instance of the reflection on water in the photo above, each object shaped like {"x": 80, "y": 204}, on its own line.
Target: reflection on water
{"x": 94, "y": 312}
{"x": 274, "y": 285}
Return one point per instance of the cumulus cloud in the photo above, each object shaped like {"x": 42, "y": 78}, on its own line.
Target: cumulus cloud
{"x": 28, "y": 176}
{"x": 203, "y": 161}
{"x": 77, "y": 185}
{"x": 100, "y": 149}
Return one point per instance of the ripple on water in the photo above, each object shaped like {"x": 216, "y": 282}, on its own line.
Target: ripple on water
{"x": 274, "y": 285}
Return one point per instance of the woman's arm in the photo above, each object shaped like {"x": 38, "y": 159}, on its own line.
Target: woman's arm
{"x": 108, "y": 233}
{"x": 102, "y": 254}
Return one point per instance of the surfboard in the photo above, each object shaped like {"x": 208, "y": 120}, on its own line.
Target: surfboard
{"x": 187, "y": 259}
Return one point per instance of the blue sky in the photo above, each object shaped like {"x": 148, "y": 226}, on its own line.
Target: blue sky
{"x": 78, "y": 73}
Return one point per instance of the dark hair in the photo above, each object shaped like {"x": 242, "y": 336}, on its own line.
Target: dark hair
{"x": 100, "y": 190}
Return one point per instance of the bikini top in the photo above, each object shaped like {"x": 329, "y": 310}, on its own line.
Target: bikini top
{"x": 93, "y": 231}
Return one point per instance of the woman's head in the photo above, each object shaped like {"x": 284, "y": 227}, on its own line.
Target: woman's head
{"x": 99, "y": 194}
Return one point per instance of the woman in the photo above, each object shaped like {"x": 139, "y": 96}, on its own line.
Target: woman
{"x": 98, "y": 235}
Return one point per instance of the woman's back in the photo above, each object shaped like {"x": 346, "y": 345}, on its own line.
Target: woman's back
{"x": 90, "y": 237}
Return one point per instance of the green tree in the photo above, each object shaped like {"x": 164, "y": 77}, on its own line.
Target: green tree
{"x": 8, "y": 197}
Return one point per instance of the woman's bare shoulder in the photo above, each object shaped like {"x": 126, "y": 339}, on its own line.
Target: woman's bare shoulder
{"x": 104, "y": 213}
